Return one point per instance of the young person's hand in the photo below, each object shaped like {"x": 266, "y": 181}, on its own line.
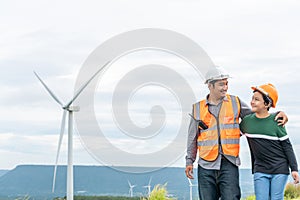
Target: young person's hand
{"x": 295, "y": 176}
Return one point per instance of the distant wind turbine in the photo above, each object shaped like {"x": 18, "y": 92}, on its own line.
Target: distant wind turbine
{"x": 148, "y": 187}
{"x": 191, "y": 188}
{"x": 131, "y": 189}
{"x": 68, "y": 108}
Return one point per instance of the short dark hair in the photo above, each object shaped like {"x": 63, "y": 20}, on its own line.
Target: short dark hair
{"x": 267, "y": 100}
{"x": 213, "y": 82}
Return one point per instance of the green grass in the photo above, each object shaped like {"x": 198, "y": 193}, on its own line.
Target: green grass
{"x": 291, "y": 192}
{"x": 159, "y": 192}
{"x": 105, "y": 198}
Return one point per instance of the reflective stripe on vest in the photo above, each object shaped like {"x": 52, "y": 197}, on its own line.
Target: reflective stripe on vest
{"x": 227, "y": 123}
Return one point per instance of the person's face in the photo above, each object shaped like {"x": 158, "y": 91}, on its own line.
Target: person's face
{"x": 258, "y": 103}
{"x": 219, "y": 89}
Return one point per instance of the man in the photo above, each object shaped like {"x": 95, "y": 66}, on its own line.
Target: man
{"x": 214, "y": 133}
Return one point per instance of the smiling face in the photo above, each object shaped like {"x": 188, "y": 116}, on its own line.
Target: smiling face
{"x": 219, "y": 88}
{"x": 258, "y": 104}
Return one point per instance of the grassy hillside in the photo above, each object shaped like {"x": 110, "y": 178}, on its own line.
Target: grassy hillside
{"x": 101, "y": 198}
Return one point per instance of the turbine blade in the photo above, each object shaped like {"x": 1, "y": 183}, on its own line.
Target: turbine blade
{"x": 62, "y": 129}
{"x": 85, "y": 85}
{"x": 48, "y": 89}
{"x": 150, "y": 180}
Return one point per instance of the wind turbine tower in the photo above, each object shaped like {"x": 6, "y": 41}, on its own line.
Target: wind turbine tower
{"x": 68, "y": 109}
{"x": 148, "y": 187}
{"x": 191, "y": 188}
{"x": 131, "y": 188}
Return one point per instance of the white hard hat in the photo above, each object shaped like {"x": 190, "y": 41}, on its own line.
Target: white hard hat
{"x": 216, "y": 73}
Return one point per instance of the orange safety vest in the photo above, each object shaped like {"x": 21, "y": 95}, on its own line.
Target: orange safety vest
{"x": 227, "y": 124}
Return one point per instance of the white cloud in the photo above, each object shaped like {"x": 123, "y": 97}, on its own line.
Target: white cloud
{"x": 256, "y": 42}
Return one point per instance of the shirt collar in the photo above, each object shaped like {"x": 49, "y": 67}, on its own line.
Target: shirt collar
{"x": 207, "y": 102}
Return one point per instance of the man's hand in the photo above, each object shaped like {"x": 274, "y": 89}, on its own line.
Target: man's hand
{"x": 189, "y": 171}
{"x": 281, "y": 118}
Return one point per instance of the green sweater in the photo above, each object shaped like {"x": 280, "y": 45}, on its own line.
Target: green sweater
{"x": 270, "y": 147}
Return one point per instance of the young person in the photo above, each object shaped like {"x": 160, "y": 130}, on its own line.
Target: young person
{"x": 271, "y": 150}
{"x": 217, "y": 143}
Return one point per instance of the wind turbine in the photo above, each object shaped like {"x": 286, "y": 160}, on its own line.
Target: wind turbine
{"x": 131, "y": 189}
{"x": 191, "y": 188}
{"x": 70, "y": 109}
{"x": 148, "y": 186}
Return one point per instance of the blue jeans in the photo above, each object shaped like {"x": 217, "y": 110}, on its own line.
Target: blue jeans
{"x": 224, "y": 183}
{"x": 269, "y": 186}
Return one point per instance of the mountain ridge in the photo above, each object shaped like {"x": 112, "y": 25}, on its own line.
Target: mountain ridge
{"x": 36, "y": 181}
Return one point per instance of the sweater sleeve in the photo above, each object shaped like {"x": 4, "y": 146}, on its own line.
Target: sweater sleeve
{"x": 289, "y": 152}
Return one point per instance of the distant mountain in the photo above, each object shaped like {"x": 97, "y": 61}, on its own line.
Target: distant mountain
{"x": 2, "y": 172}
{"x": 36, "y": 181}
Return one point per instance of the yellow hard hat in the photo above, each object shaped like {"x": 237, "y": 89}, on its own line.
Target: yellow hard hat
{"x": 269, "y": 90}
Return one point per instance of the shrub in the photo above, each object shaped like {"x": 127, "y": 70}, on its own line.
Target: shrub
{"x": 23, "y": 198}
{"x": 159, "y": 192}
{"x": 252, "y": 197}
{"x": 292, "y": 191}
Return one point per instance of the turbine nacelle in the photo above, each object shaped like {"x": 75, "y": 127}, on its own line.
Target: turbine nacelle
{"x": 72, "y": 108}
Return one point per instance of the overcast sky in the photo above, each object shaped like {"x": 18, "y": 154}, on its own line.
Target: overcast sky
{"x": 256, "y": 41}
